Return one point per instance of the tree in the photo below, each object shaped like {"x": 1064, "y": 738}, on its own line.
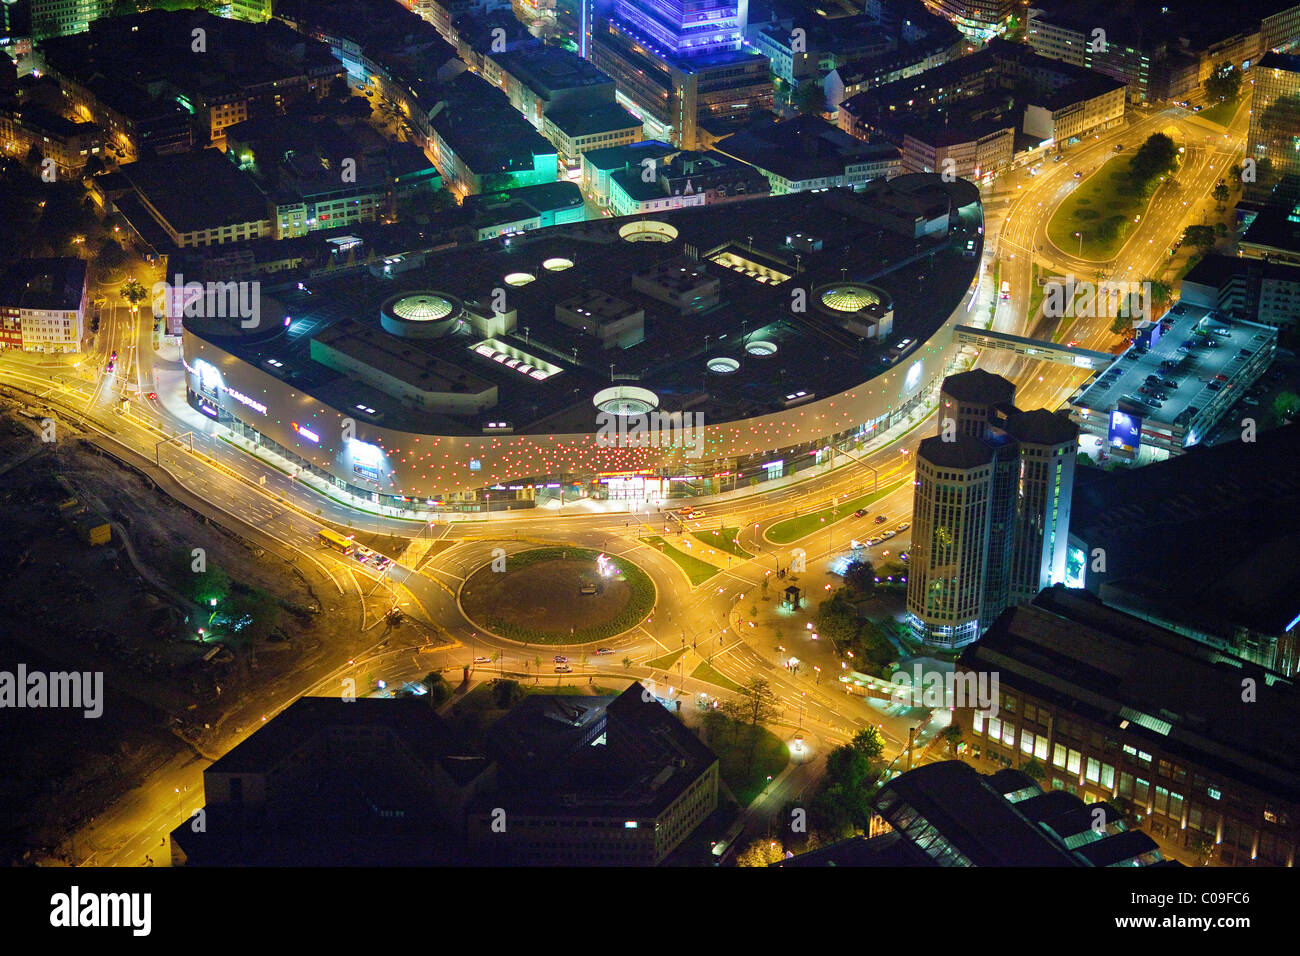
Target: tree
{"x": 809, "y": 98}
{"x": 761, "y": 853}
{"x": 868, "y": 743}
{"x": 1153, "y": 159}
{"x": 837, "y": 618}
{"x": 1202, "y": 237}
{"x": 1161, "y": 291}
{"x": 1285, "y": 406}
{"x": 1220, "y": 192}
{"x": 627, "y": 663}
{"x": 753, "y": 706}
{"x": 952, "y": 736}
{"x": 506, "y": 693}
{"x": 860, "y": 577}
{"x": 134, "y": 293}
{"x": 439, "y": 691}
{"x": 1223, "y": 83}
{"x": 1033, "y": 769}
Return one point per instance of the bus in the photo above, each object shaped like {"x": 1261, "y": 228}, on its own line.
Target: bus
{"x": 332, "y": 539}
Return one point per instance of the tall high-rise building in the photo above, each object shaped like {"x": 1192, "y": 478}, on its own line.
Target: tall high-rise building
{"x": 61, "y": 18}
{"x": 681, "y": 65}
{"x": 1274, "y": 138}
{"x": 991, "y": 509}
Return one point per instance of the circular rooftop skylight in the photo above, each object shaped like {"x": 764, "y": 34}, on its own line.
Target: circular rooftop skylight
{"x": 648, "y": 230}
{"x": 422, "y": 308}
{"x": 849, "y": 297}
{"x": 624, "y": 400}
{"x": 723, "y": 366}
{"x": 557, "y": 264}
{"x": 761, "y": 348}
{"x": 520, "y": 278}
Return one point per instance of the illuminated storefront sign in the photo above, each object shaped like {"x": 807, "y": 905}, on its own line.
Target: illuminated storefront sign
{"x": 306, "y": 432}
{"x": 240, "y": 397}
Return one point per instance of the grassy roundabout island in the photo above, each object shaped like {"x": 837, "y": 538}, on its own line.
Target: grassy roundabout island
{"x": 1102, "y": 207}
{"x": 558, "y": 596}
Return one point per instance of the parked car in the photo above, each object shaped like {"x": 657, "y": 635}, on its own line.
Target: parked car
{"x": 904, "y": 526}
{"x": 482, "y": 660}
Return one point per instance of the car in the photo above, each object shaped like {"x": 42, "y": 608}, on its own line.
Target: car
{"x": 1145, "y": 391}
{"x": 1160, "y": 396}
{"x": 904, "y": 526}
{"x": 482, "y": 660}
{"x": 587, "y": 589}
{"x": 1119, "y": 147}
{"x": 1078, "y": 175}
{"x": 1243, "y": 352}
{"x": 1212, "y": 344}
{"x": 1222, "y": 330}
{"x": 111, "y": 363}
{"x": 152, "y": 396}
{"x": 563, "y": 669}
{"x": 1213, "y": 386}
{"x": 887, "y": 535}
{"x": 1153, "y": 379}
{"x": 1071, "y": 344}
{"x": 861, "y": 512}
{"x": 871, "y": 542}
{"x": 1220, "y": 377}
{"x": 1169, "y": 383}
{"x": 1197, "y": 108}
{"x": 881, "y": 519}
{"x": 1250, "y": 401}
{"x": 561, "y": 659}
{"x": 604, "y": 650}
{"x": 114, "y": 355}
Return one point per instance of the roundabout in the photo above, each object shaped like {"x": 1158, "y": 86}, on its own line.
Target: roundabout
{"x": 558, "y": 595}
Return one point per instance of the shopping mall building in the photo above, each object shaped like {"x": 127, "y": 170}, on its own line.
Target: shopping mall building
{"x": 684, "y": 353}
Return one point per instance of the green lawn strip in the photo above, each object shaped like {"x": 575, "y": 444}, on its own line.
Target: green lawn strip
{"x": 792, "y": 529}
{"x": 698, "y": 571}
{"x": 708, "y": 672}
{"x": 1221, "y": 114}
{"x": 667, "y": 661}
{"x": 1106, "y": 194}
{"x": 723, "y": 540}
{"x": 747, "y": 777}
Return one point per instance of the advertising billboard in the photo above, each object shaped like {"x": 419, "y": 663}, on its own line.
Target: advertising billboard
{"x": 1125, "y": 430}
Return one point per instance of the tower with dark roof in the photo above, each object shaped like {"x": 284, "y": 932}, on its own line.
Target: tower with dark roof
{"x": 990, "y": 511}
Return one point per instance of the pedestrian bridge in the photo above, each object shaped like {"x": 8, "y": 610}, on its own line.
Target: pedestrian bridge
{"x": 1033, "y": 348}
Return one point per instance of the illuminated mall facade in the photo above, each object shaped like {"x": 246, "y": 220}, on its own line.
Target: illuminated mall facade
{"x": 529, "y": 371}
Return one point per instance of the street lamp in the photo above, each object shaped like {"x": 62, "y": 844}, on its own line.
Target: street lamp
{"x": 1080, "y": 237}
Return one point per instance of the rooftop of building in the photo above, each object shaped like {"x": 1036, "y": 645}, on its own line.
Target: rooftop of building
{"x": 578, "y": 755}
{"x": 197, "y": 190}
{"x": 588, "y": 121}
{"x": 1140, "y": 515}
{"x": 804, "y": 148}
{"x": 44, "y": 284}
{"x": 1279, "y": 61}
{"x": 484, "y": 131}
{"x": 550, "y": 69}
{"x": 1038, "y": 426}
{"x": 979, "y": 387}
{"x": 1216, "y": 270}
{"x": 618, "y": 157}
{"x": 304, "y": 726}
{"x": 1274, "y": 228}
{"x": 1195, "y": 366}
{"x": 508, "y": 205}
{"x": 962, "y": 451}
{"x": 548, "y": 265}
{"x": 971, "y": 819}
{"x": 1078, "y": 654}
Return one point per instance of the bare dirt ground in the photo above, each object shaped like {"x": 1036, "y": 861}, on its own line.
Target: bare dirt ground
{"x": 68, "y": 606}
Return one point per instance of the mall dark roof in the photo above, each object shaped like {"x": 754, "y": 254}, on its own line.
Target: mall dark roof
{"x": 813, "y": 352}
{"x": 605, "y": 118}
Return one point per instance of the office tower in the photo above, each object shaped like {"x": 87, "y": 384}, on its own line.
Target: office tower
{"x": 254, "y": 11}
{"x": 681, "y": 66}
{"x": 990, "y": 514}
{"x": 1274, "y": 138}
{"x": 60, "y": 18}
